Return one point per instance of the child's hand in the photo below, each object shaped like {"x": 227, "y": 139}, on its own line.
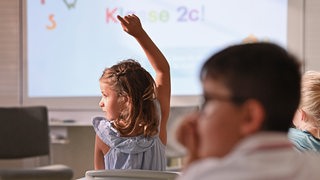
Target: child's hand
{"x": 187, "y": 135}
{"x": 131, "y": 24}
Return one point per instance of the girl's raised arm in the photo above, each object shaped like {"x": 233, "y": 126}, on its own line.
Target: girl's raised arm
{"x": 132, "y": 25}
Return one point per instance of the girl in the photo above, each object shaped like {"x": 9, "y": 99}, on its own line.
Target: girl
{"x": 306, "y": 132}
{"x": 133, "y": 133}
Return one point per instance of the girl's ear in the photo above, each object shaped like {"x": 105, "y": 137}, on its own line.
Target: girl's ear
{"x": 303, "y": 115}
{"x": 125, "y": 100}
{"x": 124, "y": 105}
{"x": 253, "y": 118}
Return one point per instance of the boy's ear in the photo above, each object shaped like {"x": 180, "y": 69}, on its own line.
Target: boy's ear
{"x": 254, "y": 117}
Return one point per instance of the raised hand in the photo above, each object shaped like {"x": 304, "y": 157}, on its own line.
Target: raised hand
{"x": 131, "y": 24}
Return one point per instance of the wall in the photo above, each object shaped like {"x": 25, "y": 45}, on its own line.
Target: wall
{"x": 10, "y": 44}
{"x": 312, "y": 35}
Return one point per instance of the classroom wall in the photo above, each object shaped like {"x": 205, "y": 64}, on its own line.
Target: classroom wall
{"x": 10, "y": 44}
{"x": 312, "y": 35}
{"x": 76, "y": 150}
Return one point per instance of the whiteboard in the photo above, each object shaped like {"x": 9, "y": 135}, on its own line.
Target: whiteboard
{"x": 68, "y": 43}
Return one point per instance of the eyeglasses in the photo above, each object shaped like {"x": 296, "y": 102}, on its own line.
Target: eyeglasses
{"x": 214, "y": 97}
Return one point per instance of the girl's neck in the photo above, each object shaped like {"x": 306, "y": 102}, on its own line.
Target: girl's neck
{"x": 315, "y": 132}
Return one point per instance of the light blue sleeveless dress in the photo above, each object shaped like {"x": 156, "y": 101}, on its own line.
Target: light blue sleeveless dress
{"x": 130, "y": 152}
{"x": 303, "y": 140}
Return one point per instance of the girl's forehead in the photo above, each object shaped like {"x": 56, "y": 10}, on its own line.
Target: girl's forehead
{"x": 108, "y": 89}
{"x": 105, "y": 87}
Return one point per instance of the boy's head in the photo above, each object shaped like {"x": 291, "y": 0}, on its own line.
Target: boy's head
{"x": 247, "y": 88}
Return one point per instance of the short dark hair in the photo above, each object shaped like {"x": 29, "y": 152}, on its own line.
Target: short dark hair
{"x": 262, "y": 71}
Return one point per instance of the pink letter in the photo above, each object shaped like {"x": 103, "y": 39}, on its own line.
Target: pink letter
{"x": 110, "y": 15}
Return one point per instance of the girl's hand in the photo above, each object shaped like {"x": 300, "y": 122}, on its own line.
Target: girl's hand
{"x": 131, "y": 24}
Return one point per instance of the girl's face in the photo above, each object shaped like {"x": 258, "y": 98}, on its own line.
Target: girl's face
{"x": 110, "y": 102}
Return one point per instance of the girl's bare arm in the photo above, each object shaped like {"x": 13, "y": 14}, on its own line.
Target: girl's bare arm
{"x": 132, "y": 25}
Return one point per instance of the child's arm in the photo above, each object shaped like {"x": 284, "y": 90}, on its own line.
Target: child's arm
{"x": 100, "y": 148}
{"x": 132, "y": 25}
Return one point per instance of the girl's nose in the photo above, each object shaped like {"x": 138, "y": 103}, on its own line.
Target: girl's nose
{"x": 101, "y": 103}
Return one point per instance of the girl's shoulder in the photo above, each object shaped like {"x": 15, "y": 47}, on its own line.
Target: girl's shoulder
{"x": 101, "y": 123}
{"x": 105, "y": 130}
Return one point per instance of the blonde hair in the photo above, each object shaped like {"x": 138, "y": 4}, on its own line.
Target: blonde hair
{"x": 310, "y": 95}
{"x": 128, "y": 78}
